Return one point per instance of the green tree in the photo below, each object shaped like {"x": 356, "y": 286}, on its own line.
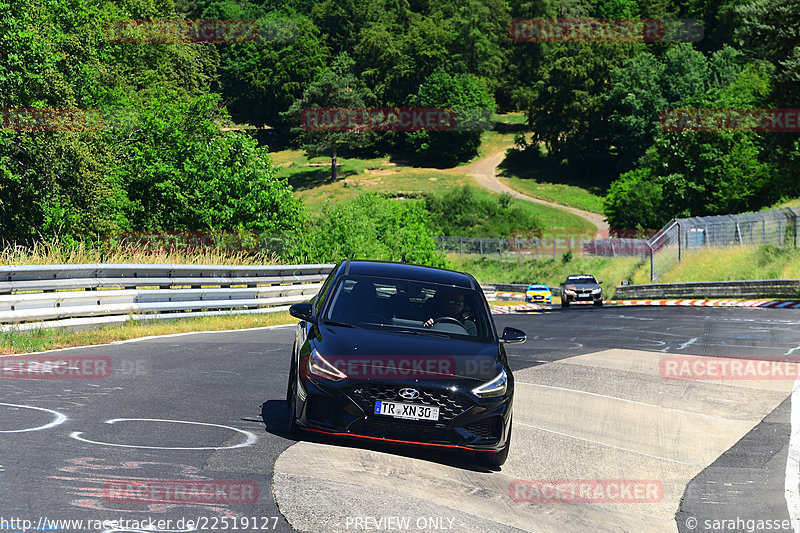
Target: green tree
{"x": 769, "y": 31}
{"x": 634, "y": 201}
{"x": 259, "y": 80}
{"x": 634, "y": 101}
{"x": 181, "y": 172}
{"x": 372, "y": 227}
{"x": 567, "y": 112}
{"x": 335, "y": 87}
{"x": 472, "y": 108}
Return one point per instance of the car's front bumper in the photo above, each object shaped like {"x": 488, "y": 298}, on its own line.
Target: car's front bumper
{"x": 539, "y": 298}
{"x": 578, "y": 298}
{"x": 347, "y": 410}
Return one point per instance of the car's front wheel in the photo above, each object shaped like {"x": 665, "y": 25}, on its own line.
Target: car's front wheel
{"x": 564, "y": 303}
{"x": 598, "y": 303}
{"x": 291, "y": 402}
{"x": 496, "y": 459}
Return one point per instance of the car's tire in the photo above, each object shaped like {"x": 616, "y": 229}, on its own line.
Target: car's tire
{"x": 291, "y": 403}
{"x": 496, "y": 459}
{"x": 564, "y": 303}
{"x": 599, "y": 303}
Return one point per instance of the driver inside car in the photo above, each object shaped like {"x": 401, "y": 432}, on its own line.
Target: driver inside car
{"x": 450, "y": 304}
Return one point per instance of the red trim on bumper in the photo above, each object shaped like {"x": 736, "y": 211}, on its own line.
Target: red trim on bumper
{"x": 383, "y": 439}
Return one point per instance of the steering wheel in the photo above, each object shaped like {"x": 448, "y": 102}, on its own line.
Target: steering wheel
{"x": 449, "y": 320}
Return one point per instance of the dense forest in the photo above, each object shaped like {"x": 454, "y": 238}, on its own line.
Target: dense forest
{"x": 172, "y": 152}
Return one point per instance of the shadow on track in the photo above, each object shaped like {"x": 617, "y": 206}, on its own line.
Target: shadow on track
{"x": 275, "y": 416}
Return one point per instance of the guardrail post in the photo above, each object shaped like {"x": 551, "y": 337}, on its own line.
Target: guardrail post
{"x": 652, "y": 265}
{"x": 679, "y": 241}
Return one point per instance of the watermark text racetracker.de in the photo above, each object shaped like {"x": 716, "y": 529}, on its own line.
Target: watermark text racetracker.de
{"x": 689, "y": 367}
{"x": 10, "y": 524}
{"x": 69, "y": 367}
{"x": 781, "y": 120}
{"x": 200, "y": 31}
{"x": 378, "y": 119}
{"x": 586, "y": 490}
{"x": 182, "y": 492}
{"x": 544, "y": 30}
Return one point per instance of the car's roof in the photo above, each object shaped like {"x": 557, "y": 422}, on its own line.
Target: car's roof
{"x": 580, "y": 276}
{"x": 388, "y": 269}
{"x": 538, "y": 286}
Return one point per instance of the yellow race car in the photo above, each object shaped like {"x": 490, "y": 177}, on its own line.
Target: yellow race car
{"x": 538, "y": 293}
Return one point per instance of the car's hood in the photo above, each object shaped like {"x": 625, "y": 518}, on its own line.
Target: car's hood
{"x": 383, "y": 354}
{"x": 581, "y": 286}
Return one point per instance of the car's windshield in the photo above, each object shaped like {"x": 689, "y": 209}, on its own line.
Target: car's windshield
{"x": 408, "y": 306}
{"x": 581, "y": 279}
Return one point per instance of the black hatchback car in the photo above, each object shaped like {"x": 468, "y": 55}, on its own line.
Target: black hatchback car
{"x": 406, "y": 354}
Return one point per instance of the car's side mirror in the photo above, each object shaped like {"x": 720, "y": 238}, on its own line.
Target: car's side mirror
{"x": 513, "y": 336}
{"x": 302, "y": 311}
{"x": 599, "y": 282}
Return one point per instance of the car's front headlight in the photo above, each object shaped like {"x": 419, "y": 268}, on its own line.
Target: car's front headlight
{"x": 597, "y": 291}
{"x": 495, "y": 387}
{"x": 320, "y": 368}
{"x": 570, "y": 292}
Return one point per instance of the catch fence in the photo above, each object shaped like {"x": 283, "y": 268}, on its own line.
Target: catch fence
{"x": 777, "y": 227}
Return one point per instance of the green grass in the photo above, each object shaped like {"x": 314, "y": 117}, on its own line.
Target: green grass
{"x": 50, "y": 339}
{"x": 559, "y": 193}
{"x": 581, "y": 186}
{"x": 611, "y": 270}
{"x": 792, "y": 202}
{"x": 311, "y": 181}
{"x": 501, "y": 136}
{"x": 730, "y": 263}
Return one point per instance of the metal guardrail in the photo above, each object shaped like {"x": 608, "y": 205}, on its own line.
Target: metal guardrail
{"x": 773, "y": 288}
{"x": 35, "y": 296}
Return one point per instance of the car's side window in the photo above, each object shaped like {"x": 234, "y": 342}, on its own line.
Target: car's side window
{"x": 319, "y": 299}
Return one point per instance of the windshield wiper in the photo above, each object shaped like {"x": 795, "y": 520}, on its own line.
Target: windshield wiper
{"x": 421, "y": 332}
{"x": 340, "y": 324}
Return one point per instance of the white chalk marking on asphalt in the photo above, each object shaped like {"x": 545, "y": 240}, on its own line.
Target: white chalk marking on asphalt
{"x": 688, "y": 343}
{"x": 791, "y": 487}
{"x": 59, "y": 418}
{"x": 793, "y": 349}
{"x": 607, "y": 445}
{"x": 620, "y": 399}
{"x": 251, "y": 438}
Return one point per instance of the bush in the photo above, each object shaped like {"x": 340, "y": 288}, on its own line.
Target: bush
{"x": 467, "y": 213}
{"x": 371, "y": 226}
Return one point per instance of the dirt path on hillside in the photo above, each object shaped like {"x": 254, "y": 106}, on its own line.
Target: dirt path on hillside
{"x": 485, "y": 173}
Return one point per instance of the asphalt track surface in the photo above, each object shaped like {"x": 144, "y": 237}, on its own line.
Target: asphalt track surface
{"x": 591, "y": 404}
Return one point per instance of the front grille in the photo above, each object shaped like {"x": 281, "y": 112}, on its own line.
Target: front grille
{"x": 400, "y": 431}
{"x": 450, "y": 404}
{"x": 488, "y": 428}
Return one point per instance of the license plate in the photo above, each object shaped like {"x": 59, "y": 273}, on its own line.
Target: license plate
{"x": 409, "y": 411}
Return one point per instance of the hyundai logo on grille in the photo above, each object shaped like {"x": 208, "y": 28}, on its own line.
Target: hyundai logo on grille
{"x": 409, "y": 394}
